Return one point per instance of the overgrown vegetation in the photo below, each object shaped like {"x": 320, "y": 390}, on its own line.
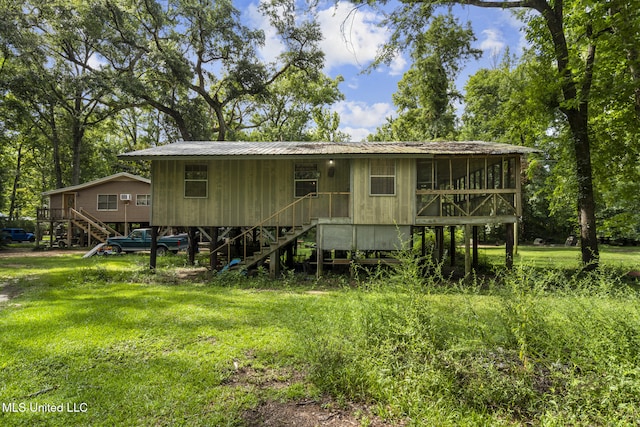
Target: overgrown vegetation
{"x": 532, "y": 346}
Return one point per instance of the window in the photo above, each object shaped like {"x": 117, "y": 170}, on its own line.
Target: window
{"x": 305, "y": 179}
{"x": 143, "y": 199}
{"x": 382, "y": 177}
{"x": 195, "y": 181}
{"x": 425, "y": 174}
{"x": 107, "y": 202}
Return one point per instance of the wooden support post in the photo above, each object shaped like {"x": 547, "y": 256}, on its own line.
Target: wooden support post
{"x": 51, "y": 231}
{"x": 423, "y": 245}
{"x": 452, "y": 245}
{"x": 439, "y": 243}
{"x": 274, "y": 264}
{"x": 193, "y": 245}
{"x": 467, "y": 249}
{"x": 289, "y": 254}
{"x": 319, "y": 254}
{"x": 474, "y": 261}
{"x": 154, "y": 248}
{"x": 509, "y": 245}
{"x": 213, "y": 244}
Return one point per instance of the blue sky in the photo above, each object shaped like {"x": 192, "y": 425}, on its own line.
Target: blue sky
{"x": 351, "y": 40}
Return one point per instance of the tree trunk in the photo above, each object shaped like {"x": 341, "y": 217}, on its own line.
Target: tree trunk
{"x": 16, "y": 183}
{"x": 586, "y": 200}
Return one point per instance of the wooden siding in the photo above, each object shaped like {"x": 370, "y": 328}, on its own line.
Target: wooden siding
{"x": 240, "y": 192}
{"x": 395, "y": 209}
{"x": 87, "y": 200}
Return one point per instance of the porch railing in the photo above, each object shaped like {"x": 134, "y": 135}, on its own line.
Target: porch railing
{"x": 297, "y": 212}
{"x": 467, "y": 203}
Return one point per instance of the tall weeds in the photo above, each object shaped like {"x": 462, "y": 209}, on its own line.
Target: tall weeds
{"x": 530, "y": 346}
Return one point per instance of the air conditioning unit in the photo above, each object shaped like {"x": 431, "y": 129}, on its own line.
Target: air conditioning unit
{"x": 125, "y": 197}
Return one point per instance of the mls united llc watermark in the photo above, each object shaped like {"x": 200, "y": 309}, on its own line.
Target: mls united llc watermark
{"x": 22, "y": 407}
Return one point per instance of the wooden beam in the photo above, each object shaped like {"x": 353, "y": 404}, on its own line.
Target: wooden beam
{"x": 467, "y": 250}
{"x": 213, "y": 244}
{"x": 452, "y": 245}
{"x": 509, "y": 245}
{"x": 474, "y": 262}
{"x": 154, "y": 248}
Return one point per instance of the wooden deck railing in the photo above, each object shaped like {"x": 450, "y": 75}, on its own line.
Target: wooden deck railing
{"x": 467, "y": 203}
{"x": 298, "y": 219}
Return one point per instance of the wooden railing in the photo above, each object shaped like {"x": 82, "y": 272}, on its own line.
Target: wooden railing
{"x": 339, "y": 209}
{"x": 290, "y": 208}
{"x": 467, "y": 203}
{"x": 96, "y": 226}
{"x": 99, "y": 222}
{"x": 48, "y": 214}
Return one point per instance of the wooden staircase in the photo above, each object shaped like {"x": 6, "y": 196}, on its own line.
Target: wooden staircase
{"x": 91, "y": 225}
{"x": 270, "y": 243}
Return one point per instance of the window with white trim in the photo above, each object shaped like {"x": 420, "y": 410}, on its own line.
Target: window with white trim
{"x": 382, "y": 177}
{"x": 196, "y": 181}
{"x": 143, "y": 199}
{"x": 107, "y": 202}
{"x": 305, "y": 179}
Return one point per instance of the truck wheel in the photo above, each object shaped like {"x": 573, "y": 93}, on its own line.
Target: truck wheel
{"x": 62, "y": 244}
{"x": 116, "y": 249}
{"x": 32, "y": 239}
{"x": 161, "y": 251}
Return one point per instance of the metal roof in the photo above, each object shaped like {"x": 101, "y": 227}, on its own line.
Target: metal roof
{"x": 231, "y": 149}
{"x": 122, "y": 176}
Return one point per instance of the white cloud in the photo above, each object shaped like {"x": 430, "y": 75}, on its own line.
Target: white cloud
{"x": 357, "y": 134}
{"x": 493, "y": 42}
{"x": 351, "y": 35}
{"x": 360, "y": 119}
{"x": 362, "y": 115}
{"x": 273, "y": 47}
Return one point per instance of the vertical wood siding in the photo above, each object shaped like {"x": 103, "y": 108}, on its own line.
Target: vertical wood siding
{"x": 396, "y": 209}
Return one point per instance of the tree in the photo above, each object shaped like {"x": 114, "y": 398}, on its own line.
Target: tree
{"x": 291, "y": 104}
{"x": 52, "y": 44}
{"x": 569, "y": 32}
{"x": 426, "y": 93}
{"x": 511, "y": 103}
{"x": 195, "y": 61}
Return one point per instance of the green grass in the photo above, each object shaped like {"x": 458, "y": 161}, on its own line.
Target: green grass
{"x": 540, "y": 346}
{"x": 562, "y": 257}
{"x": 141, "y": 353}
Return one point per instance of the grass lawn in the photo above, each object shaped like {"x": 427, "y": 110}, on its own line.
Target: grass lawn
{"x": 563, "y": 257}
{"x": 110, "y": 344}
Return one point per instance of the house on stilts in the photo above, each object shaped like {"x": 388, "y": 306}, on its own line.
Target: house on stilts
{"x": 91, "y": 212}
{"x": 358, "y": 196}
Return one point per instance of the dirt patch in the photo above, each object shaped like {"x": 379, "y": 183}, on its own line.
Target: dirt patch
{"x": 31, "y": 252}
{"x": 313, "y": 413}
{"x": 321, "y": 412}
{"x": 8, "y": 291}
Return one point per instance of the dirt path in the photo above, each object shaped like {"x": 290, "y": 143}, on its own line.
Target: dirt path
{"x": 31, "y": 252}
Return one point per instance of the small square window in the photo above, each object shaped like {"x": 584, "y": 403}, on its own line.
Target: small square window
{"x": 196, "y": 181}
{"x": 305, "y": 179}
{"x": 382, "y": 177}
{"x": 107, "y": 202}
{"x": 143, "y": 199}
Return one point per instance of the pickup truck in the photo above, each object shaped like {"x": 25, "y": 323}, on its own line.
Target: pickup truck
{"x": 140, "y": 240}
{"x": 17, "y": 235}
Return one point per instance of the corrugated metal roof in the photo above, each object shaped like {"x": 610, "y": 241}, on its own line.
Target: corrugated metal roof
{"x": 196, "y": 149}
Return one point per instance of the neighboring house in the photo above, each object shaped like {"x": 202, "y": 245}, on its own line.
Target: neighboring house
{"x": 98, "y": 209}
{"x": 359, "y": 196}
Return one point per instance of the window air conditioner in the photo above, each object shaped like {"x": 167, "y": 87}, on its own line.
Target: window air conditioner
{"x": 125, "y": 197}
